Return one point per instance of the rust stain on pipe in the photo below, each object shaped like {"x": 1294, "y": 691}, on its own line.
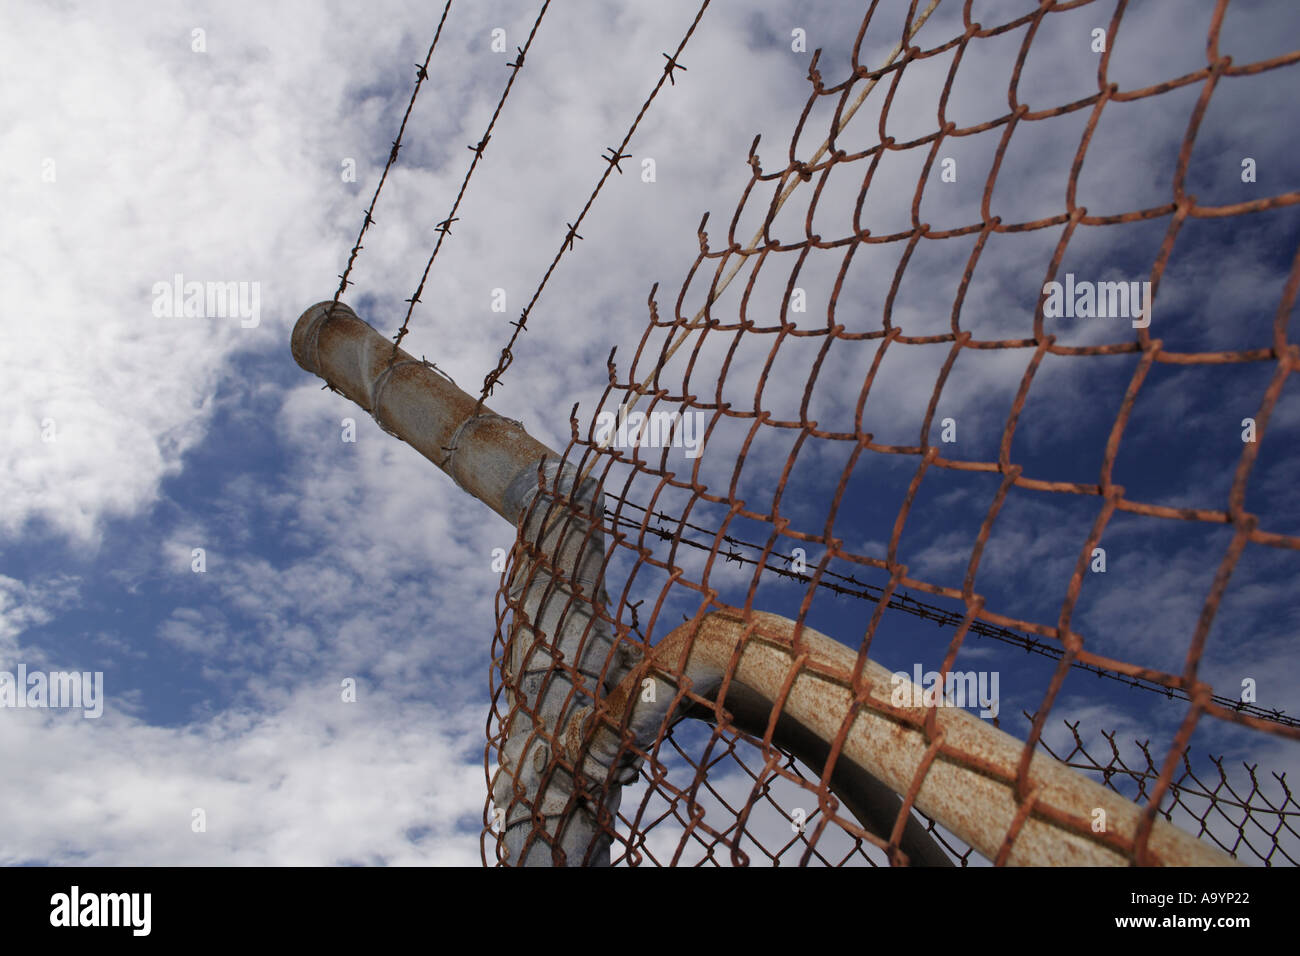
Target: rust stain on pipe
{"x": 408, "y": 398}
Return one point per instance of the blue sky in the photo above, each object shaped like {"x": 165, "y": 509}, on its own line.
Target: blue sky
{"x": 327, "y": 560}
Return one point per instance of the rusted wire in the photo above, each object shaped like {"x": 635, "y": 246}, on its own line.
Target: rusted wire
{"x": 443, "y": 227}
{"x": 847, "y": 585}
{"x": 703, "y": 788}
{"x": 616, "y": 155}
{"x": 421, "y": 74}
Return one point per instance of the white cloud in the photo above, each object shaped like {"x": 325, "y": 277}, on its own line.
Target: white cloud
{"x": 312, "y": 782}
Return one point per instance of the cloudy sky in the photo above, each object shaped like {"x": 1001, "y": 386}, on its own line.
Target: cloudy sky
{"x": 214, "y": 142}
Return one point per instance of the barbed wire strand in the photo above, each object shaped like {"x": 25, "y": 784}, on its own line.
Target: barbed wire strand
{"x": 444, "y": 227}
{"x": 422, "y": 74}
{"x": 616, "y": 156}
{"x": 850, "y": 586}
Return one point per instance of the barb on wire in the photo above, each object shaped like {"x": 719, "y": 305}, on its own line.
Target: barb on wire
{"x": 421, "y": 74}
{"x": 506, "y": 358}
{"x": 444, "y": 227}
{"x": 847, "y": 585}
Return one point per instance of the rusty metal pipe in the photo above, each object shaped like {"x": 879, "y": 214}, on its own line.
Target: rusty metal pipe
{"x": 482, "y": 453}
{"x": 556, "y": 585}
{"x": 753, "y": 658}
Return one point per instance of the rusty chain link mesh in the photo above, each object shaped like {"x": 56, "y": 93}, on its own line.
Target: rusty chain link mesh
{"x": 1253, "y": 822}
{"x": 713, "y": 794}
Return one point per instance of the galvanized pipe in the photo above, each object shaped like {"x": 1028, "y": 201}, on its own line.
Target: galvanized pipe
{"x": 754, "y": 656}
{"x": 557, "y": 583}
{"x": 482, "y": 453}
{"x": 557, "y": 589}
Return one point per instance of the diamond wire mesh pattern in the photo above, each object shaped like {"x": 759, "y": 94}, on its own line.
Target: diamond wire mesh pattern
{"x": 715, "y": 795}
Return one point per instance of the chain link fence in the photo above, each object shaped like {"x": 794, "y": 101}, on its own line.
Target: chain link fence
{"x": 728, "y": 530}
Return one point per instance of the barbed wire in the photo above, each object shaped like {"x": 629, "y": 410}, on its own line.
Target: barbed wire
{"x": 616, "y": 155}
{"x": 1242, "y": 820}
{"x": 850, "y": 586}
{"x": 421, "y": 74}
{"x": 444, "y": 227}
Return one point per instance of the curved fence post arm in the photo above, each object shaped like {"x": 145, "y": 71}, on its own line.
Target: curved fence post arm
{"x": 970, "y": 788}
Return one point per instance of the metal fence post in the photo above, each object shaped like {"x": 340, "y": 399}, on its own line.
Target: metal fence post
{"x": 560, "y": 648}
